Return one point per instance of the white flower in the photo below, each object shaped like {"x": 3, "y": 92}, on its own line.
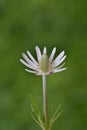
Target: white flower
{"x": 43, "y": 64}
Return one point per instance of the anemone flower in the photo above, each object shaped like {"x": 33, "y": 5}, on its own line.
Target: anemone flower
{"x": 44, "y": 66}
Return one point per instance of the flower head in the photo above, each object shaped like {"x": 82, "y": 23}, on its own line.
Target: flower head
{"x": 43, "y": 64}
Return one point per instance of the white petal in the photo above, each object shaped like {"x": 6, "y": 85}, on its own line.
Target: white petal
{"x": 25, "y": 57}
{"x": 32, "y": 58}
{"x": 52, "y": 54}
{"x": 59, "y": 70}
{"x": 44, "y": 50}
{"x": 59, "y": 56}
{"x": 38, "y": 52}
{"x": 34, "y": 72}
{"x": 38, "y": 74}
{"x": 58, "y": 62}
{"x": 27, "y": 65}
{"x": 28, "y": 60}
{"x": 60, "y": 66}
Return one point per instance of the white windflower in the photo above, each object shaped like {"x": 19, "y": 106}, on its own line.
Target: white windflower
{"x": 43, "y": 64}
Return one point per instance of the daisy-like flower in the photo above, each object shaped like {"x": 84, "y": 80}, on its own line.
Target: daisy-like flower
{"x": 43, "y": 64}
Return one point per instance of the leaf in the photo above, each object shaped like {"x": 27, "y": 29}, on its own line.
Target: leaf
{"x": 34, "y": 106}
{"x": 36, "y": 113}
{"x": 55, "y": 116}
{"x": 56, "y": 112}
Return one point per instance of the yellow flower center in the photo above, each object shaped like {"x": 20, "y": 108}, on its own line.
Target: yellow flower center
{"x": 44, "y": 63}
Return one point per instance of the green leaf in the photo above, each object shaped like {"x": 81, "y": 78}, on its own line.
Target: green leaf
{"x": 55, "y": 116}
{"x": 34, "y": 106}
{"x": 36, "y": 113}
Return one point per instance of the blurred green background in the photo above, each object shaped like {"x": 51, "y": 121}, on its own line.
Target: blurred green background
{"x": 50, "y": 23}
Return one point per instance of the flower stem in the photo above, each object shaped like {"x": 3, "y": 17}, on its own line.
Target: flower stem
{"x": 45, "y": 103}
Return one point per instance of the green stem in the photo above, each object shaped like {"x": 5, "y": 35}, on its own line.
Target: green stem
{"x": 45, "y": 103}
